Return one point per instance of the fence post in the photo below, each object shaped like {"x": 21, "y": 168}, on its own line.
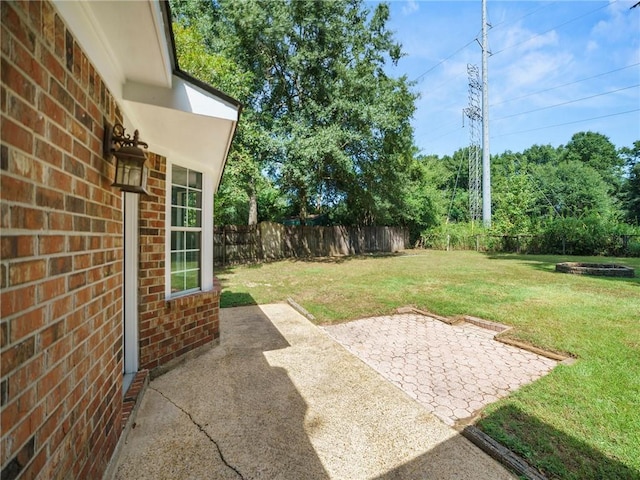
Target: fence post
{"x": 448, "y": 240}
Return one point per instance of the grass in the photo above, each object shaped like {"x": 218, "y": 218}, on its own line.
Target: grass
{"x": 581, "y": 421}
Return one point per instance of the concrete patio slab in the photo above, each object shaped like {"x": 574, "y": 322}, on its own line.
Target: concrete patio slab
{"x": 453, "y": 370}
{"x": 279, "y": 399}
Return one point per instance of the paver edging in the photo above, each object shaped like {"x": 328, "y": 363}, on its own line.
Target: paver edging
{"x": 448, "y": 321}
{"x": 566, "y": 359}
{"x": 300, "y": 309}
{"x": 489, "y": 325}
{"x": 501, "y": 453}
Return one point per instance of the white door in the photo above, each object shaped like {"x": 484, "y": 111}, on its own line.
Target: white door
{"x": 130, "y": 290}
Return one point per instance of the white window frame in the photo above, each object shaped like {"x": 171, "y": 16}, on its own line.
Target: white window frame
{"x": 206, "y": 241}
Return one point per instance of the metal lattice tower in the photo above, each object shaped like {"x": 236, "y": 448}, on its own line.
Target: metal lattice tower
{"x": 474, "y": 113}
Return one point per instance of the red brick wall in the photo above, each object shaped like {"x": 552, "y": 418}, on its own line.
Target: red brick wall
{"x": 61, "y": 255}
{"x": 168, "y": 329}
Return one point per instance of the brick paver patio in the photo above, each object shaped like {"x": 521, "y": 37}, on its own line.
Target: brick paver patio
{"x": 453, "y": 370}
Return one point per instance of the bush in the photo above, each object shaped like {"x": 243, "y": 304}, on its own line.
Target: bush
{"x": 590, "y": 235}
{"x": 455, "y": 236}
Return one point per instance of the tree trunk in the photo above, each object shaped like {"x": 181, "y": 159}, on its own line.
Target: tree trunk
{"x": 253, "y": 206}
{"x": 303, "y": 208}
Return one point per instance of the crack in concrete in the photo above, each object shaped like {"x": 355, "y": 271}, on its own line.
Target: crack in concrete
{"x": 201, "y": 428}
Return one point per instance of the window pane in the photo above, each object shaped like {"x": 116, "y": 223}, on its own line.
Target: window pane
{"x": 195, "y": 199}
{"x": 177, "y": 241}
{"x": 177, "y": 282}
{"x": 179, "y": 196}
{"x": 177, "y": 261}
{"x": 193, "y": 218}
{"x": 195, "y": 180}
{"x": 193, "y": 240}
{"x": 178, "y": 217}
{"x": 179, "y": 175}
{"x": 192, "y": 279}
{"x": 193, "y": 260}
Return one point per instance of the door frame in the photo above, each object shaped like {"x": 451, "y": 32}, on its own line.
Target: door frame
{"x": 130, "y": 330}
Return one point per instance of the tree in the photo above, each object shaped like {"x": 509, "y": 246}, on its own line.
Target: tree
{"x": 514, "y": 195}
{"x": 542, "y": 154}
{"x": 572, "y": 189}
{"x": 320, "y": 90}
{"x": 456, "y": 184}
{"x": 631, "y": 188}
{"x": 422, "y": 201}
{"x": 199, "y": 54}
{"x": 597, "y": 151}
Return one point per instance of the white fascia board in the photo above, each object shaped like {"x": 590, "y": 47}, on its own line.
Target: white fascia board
{"x": 182, "y": 96}
{"x": 163, "y": 41}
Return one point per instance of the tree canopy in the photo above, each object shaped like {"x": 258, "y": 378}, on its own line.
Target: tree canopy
{"x": 326, "y": 131}
{"x": 332, "y": 129}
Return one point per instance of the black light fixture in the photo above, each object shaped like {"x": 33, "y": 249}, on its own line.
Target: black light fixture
{"x": 131, "y": 171}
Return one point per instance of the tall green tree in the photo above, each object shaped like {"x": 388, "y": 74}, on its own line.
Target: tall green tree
{"x": 198, "y": 54}
{"x": 423, "y": 201}
{"x": 597, "y": 151}
{"x": 514, "y": 195}
{"x": 542, "y": 154}
{"x": 320, "y": 89}
{"x": 572, "y": 189}
{"x": 456, "y": 184}
{"x": 631, "y": 188}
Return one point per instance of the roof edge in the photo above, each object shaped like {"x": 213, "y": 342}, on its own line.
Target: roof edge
{"x": 168, "y": 20}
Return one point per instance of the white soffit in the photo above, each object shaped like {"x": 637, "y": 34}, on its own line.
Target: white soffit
{"x": 198, "y": 140}
{"x": 127, "y": 43}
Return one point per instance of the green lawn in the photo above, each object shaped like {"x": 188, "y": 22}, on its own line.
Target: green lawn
{"x": 581, "y": 421}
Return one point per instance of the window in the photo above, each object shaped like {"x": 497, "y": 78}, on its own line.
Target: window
{"x": 186, "y": 230}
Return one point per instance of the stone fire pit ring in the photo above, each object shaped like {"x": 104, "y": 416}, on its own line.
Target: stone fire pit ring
{"x": 601, "y": 269}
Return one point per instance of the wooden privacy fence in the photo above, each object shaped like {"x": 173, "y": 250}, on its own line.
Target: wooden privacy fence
{"x": 233, "y": 244}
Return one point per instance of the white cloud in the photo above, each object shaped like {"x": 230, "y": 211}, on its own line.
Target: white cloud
{"x": 522, "y": 39}
{"x": 592, "y": 46}
{"x": 621, "y": 22}
{"x": 410, "y": 7}
{"x": 537, "y": 67}
{"x": 542, "y": 65}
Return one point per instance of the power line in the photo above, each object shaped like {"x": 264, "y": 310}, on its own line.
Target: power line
{"x": 444, "y": 125}
{"x": 442, "y": 61}
{"x": 555, "y": 27}
{"x": 475, "y": 39}
{"x": 448, "y": 82}
{"x": 529, "y": 13}
{"x": 566, "y": 123}
{"x": 445, "y": 134}
{"x": 568, "y": 102}
{"x": 564, "y": 85}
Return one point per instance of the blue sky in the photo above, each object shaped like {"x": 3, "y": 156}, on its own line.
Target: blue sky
{"x": 547, "y": 59}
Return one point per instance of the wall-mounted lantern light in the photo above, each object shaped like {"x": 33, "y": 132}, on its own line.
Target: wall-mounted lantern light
{"x": 131, "y": 171}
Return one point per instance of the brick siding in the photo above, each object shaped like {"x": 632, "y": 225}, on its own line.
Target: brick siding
{"x": 61, "y": 259}
{"x": 168, "y": 328}
{"x": 61, "y": 254}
